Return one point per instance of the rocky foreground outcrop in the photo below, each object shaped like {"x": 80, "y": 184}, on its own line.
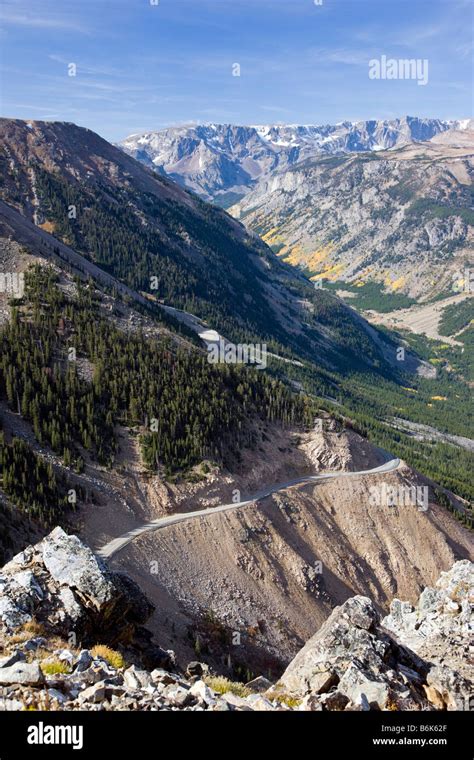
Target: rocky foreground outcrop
{"x": 441, "y": 626}
{"x": 61, "y": 587}
{"x": 416, "y": 658}
{"x": 57, "y": 600}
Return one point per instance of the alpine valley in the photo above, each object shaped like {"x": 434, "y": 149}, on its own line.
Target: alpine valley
{"x": 154, "y": 500}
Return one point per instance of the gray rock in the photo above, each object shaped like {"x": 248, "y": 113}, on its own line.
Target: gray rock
{"x": 351, "y": 651}
{"x": 92, "y": 675}
{"x": 62, "y": 585}
{"x": 113, "y": 690}
{"x": 144, "y": 678}
{"x": 439, "y": 629}
{"x": 222, "y": 706}
{"x": 95, "y": 693}
{"x": 334, "y": 701}
{"x": 71, "y": 563}
{"x": 361, "y": 686}
{"x": 33, "y": 644}
{"x": 259, "y": 684}
{"x": 409, "y": 675}
{"x": 237, "y": 702}
{"x": 349, "y": 633}
{"x": 203, "y": 692}
{"x": 178, "y": 695}
{"x": 28, "y": 581}
{"x": 447, "y": 689}
{"x": 197, "y": 669}
{"x": 83, "y": 662}
{"x": 324, "y": 681}
{"x": 311, "y": 703}
{"x": 374, "y": 667}
{"x": 360, "y": 612}
{"x": 14, "y": 611}
{"x": 70, "y": 605}
{"x": 429, "y": 597}
{"x": 25, "y": 673}
{"x": 58, "y": 695}
{"x": 11, "y": 705}
{"x": 134, "y": 678}
{"x": 259, "y": 703}
{"x": 11, "y": 659}
{"x": 162, "y": 676}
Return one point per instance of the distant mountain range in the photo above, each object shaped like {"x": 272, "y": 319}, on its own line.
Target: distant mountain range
{"x": 140, "y": 227}
{"x": 390, "y": 224}
{"x": 388, "y": 202}
{"x": 222, "y": 162}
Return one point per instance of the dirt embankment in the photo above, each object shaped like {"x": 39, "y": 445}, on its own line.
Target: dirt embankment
{"x": 135, "y": 496}
{"x": 258, "y": 568}
{"x": 271, "y": 573}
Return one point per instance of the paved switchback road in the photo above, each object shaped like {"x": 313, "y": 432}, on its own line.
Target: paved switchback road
{"x": 114, "y": 546}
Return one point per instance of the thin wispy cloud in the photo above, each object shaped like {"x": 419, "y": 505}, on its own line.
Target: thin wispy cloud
{"x": 38, "y": 17}
{"x": 40, "y": 23}
{"x": 86, "y": 68}
{"x": 170, "y": 63}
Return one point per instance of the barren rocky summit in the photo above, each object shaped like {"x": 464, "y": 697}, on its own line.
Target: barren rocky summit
{"x": 57, "y": 598}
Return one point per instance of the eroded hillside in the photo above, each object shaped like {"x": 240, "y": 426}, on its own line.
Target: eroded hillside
{"x": 401, "y": 218}
{"x": 271, "y": 572}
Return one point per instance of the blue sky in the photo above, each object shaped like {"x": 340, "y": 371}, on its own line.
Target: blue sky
{"x": 141, "y": 67}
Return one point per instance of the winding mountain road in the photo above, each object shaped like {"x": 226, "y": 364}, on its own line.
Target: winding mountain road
{"x": 114, "y": 546}
{"x": 30, "y": 234}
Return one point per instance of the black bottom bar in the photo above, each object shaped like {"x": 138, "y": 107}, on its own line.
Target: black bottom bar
{"x": 124, "y": 734}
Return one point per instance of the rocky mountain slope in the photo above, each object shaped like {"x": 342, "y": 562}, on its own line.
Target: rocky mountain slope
{"x": 223, "y": 161}
{"x": 83, "y": 425}
{"x": 154, "y": 229}
{"x": 272, "y": 571}
{"x": 164, "y": 242}
{"x": 402, "y": 219}
{"x": 106, "y": 459}
{"x": 56, "y": 596}
{"x": 83, "y": 163}
{"x": 265, "y": 563}
{"x": 356, "y": 657}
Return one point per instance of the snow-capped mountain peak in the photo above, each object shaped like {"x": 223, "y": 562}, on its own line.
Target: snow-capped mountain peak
{"x": 222, "y": 162}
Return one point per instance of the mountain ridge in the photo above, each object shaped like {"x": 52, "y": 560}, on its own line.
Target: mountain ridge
{"x": 138, "y": 225}
{"x": 402, "y": 217}
{"x": 219, "y": 161}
